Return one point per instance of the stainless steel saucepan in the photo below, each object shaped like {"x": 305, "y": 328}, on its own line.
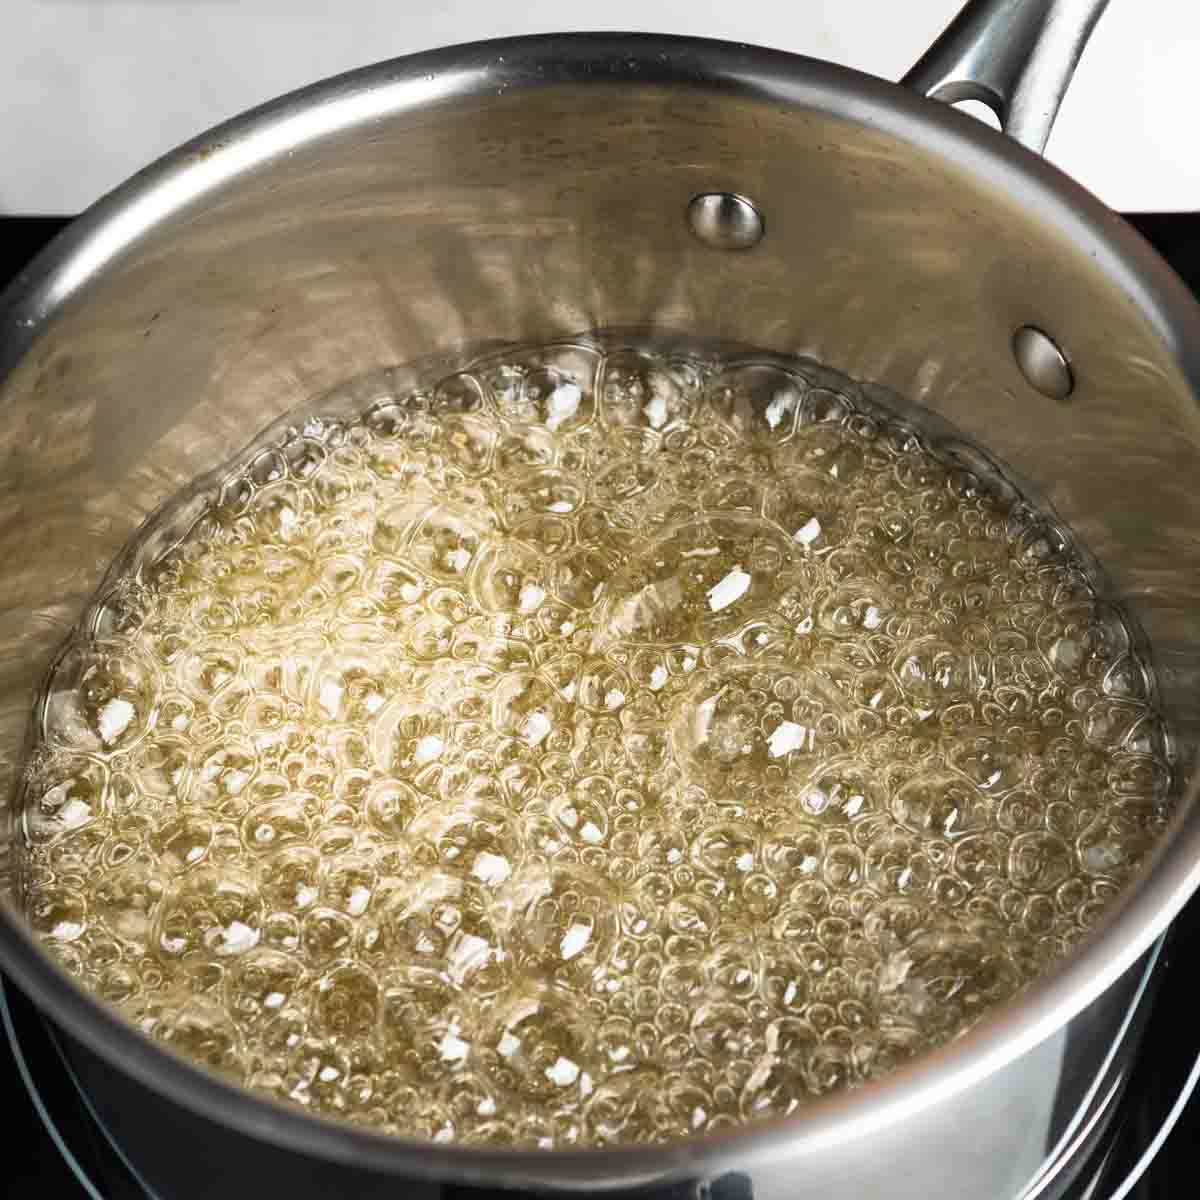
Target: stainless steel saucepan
{"x": 525, "y": 189}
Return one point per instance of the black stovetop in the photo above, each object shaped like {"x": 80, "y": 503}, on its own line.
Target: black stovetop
{"x": 35, "y": 1165}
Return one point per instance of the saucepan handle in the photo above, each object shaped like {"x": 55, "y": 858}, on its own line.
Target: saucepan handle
{"x": 1016, "y": 56}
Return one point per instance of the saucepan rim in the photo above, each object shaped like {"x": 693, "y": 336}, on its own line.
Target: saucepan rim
{"x": 201, "y": 169}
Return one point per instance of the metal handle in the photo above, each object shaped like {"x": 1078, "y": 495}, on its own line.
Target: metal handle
{"x": 1017, "y": 56}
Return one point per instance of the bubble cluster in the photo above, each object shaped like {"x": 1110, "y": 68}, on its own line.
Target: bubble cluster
{"x": 597, "y": 745}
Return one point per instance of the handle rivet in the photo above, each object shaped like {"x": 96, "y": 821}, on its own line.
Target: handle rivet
{"x": 725, "y": 221}
{"x": 1043, "y": 364}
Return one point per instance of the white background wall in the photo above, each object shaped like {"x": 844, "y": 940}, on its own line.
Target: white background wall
{"x": 91, "y": 90}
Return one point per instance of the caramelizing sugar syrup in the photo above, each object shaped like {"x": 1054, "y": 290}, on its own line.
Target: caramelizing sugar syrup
{"x": 597, "y": 745}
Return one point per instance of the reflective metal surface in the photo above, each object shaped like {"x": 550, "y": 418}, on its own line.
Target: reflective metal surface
{"x": 725, "y": 221}
{"x": 156, "y": 1137}
{"x": 1016, "y": 56}
{"x": 522, "y": 190}
{"x": 1043, "y": 364}
{"x": 1079, "y": 1135}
